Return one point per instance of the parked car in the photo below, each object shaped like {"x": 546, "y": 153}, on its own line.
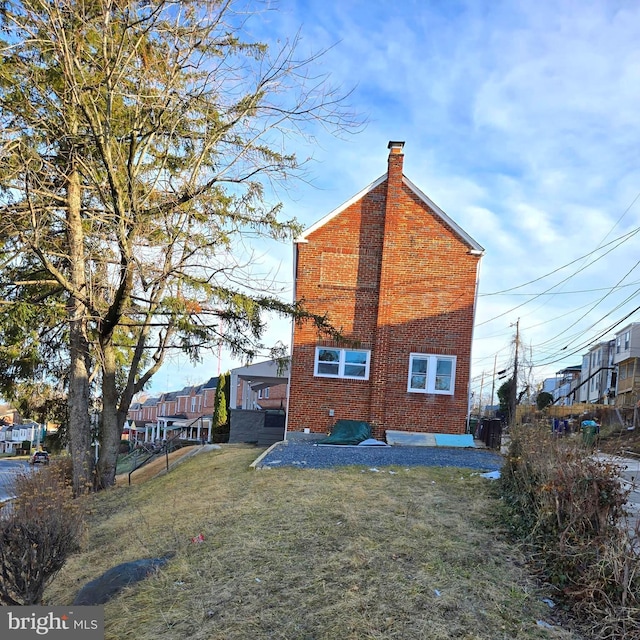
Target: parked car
{"x": 39, "y": 457}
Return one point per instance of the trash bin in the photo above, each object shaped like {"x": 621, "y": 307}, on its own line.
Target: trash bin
{"x": 494, "y": 437}
{"x": 491, "y": 432}
{"x": 589, "y": 433}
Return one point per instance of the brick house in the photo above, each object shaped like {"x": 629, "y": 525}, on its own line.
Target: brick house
{"x": 398, "y": 277}
{"x": 189, "y": 411}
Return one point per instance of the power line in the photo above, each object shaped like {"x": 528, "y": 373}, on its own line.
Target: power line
{"x": 622, "y": 239}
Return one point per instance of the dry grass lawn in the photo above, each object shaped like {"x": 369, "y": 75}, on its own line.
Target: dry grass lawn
{"x": 303, "y": 554}
{"x": 154, "y": 467}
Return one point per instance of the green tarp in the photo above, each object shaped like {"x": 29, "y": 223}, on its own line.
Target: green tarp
{"x": 348, "y": 432}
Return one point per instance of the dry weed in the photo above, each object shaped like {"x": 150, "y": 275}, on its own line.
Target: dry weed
{"x": 570, "y": 509}
{"x": 296, "y": 554}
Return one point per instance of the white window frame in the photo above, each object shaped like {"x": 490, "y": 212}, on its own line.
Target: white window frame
{"x": 342, "y": 363}
{"x": 432, "y": 366}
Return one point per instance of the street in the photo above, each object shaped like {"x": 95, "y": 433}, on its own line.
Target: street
{"x": 9, "y": 469}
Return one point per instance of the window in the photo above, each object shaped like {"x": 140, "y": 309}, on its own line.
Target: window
{"x": 626, "y": 341}
{"x": 431, "y": 374}
{"x": 618, "y": 344}
{"x": 193, "y": 404}
{"x": 342, "y": 363}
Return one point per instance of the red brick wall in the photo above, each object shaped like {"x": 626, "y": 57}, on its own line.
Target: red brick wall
{"x": 413, "y": 293}
{"x": 277, "y": 397}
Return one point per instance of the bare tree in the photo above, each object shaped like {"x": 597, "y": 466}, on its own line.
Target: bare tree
{"x": 137, "y": 138}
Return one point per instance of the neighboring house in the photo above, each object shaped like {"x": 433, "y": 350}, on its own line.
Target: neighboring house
{"x": 549, "y": 385}
{"x": 262, "y": 385}
{"x": 627, "y": 360}
{"x": 9, "y": 414}
{"x": 187, "y": 412}
{"x": 398, "y": 278}
{"x": 566, "y": 388}
{"x": 6, "y": 444}
{"x": 597, "y": 378}
{"x": 17, "y": 434}
{"x": 272, "y": 397}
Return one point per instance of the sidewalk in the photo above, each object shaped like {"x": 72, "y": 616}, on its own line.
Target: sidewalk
{"x": 630, "y": 477}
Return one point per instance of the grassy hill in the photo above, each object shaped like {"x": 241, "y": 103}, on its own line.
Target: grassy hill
{"x": 306, "y": 554}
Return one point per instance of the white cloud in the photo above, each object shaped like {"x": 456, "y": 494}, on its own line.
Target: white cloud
{"x": 520, "y": 121}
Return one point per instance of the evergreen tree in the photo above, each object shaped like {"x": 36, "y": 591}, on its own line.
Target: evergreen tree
{"x": 220, "y": 420}
{"x": 136, "y": 139}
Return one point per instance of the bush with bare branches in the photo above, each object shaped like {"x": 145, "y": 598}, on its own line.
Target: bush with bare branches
{"x": 569, "y": 508}
{"x": 42, "y": 527}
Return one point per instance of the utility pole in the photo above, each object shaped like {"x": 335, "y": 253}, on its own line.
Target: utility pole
{"x": 480, "y": 398}
{"x": 493, "y": 382}
{"x": 514, "y": 386}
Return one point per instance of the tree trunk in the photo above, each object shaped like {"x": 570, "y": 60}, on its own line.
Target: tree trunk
{"x": 79, "y": 421}
{"x": 111, "y": 421}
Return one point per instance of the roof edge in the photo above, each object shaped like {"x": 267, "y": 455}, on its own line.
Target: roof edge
{"x": 302, "y": 238}
{"x": 476, "y": 248}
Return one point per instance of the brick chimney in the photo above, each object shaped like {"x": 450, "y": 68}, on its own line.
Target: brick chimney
{"x": 386, "y": 290}
{"x": 396, "y": 158}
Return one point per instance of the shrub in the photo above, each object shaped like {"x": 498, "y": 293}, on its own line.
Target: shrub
{"x": 569, "y": 508}
{"x": 41, "y": 528}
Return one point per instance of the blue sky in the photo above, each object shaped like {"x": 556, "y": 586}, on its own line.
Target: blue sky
{"x": 520, "y": 121}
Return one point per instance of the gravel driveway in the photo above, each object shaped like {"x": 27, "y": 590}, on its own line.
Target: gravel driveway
{"x": 313, "y": 456}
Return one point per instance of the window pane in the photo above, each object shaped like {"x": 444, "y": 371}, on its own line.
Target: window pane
{"x": 419, "y": 368}
{"x": 354, "y": 370}
{"x": 444, "y": 368}
{"x": 356, "y": 357}
{"x": 418, "y": 381}
{"x": 328, "y": 355}
{"x": 328, "y": 369}
{"x": 419, "y": 365}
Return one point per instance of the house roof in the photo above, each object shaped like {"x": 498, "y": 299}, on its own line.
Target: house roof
{"x": 572, "y": 369}
{"x": 263, "y": 374}
{"x": 212, "y": 383}
{"x": 462, "y": 234}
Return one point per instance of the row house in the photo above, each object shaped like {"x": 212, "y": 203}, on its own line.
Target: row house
{"x": 187, "y": 412}
{"x": 12, "y": 436}
{"x": 597, "y": 377}
{"x": 567, "y": 386}
{"x": 627, "y": 360}
{"x": 609, "y": 375}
